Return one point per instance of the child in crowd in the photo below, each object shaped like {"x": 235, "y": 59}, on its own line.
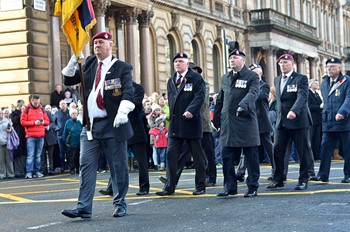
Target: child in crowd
{"x": 160, "y": 138}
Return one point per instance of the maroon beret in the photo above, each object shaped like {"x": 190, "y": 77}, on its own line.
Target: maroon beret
{"x": 286, "y": 57}
{"x": 102, "y": 35}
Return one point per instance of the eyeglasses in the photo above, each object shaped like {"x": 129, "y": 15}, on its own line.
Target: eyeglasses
{"x": 254, "y": 66}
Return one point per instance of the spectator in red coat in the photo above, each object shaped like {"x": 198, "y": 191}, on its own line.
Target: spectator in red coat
{"x": 34, "y": 119}
{"x": 160, "y": 138}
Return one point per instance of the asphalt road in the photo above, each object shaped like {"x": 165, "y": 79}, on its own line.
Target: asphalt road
{"x": 36, "y": 205}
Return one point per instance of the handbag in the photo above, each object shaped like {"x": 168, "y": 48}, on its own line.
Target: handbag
{"x": 69, "y": 134}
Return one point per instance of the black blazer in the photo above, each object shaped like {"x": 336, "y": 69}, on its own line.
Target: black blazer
{"x": 294, "y": 98}
{"x": 314, "y": 106}
{"x": 122, "y": 72}
{"x": 188, "y": 97}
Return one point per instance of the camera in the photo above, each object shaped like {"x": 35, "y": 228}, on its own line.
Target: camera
{"x": 41, "y": 120}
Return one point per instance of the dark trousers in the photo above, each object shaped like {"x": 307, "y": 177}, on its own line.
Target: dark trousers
{"x": 139, "y": 150}
{"x": 173, "y": 155}
{"x": 301, "y": 140}
{"x": 329, "y": 143}
{"x": 63, "y": 153}
{"x": 208, "y": 147}
{"x": 47, "y": 158}
{"x": 251, "y": 162}
{"x": 74, "y": 158}
{"x": 315, "y": 138}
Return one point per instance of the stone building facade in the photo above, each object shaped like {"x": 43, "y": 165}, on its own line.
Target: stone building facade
{"x": 147, "y": 34}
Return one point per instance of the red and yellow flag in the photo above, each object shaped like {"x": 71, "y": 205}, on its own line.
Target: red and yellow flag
{"x": 78, "y": 17}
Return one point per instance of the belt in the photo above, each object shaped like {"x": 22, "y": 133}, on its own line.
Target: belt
{"x": 99, "y": 119}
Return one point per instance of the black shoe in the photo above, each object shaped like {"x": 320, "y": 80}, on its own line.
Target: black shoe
{"x": 320, "y": 178}
{"x": 226, "y": 194}
{"x": 119, "y": 212}
{"x": 198, "y": 192}
{"x": 105, "y": 192}
{"x": 301, "y": 186}
{"x": 240, "y": 178}
{"x": 162, "y": 179}
{"x": 346, "y": 180}
{"x": 141, "y": 193}
{"x": 209, "y": 184}
{"x": 76, "y": 213}
{"x": 164, "y": 193}
{"x": 251, "y": 193}
{"x": 275, "y": 185}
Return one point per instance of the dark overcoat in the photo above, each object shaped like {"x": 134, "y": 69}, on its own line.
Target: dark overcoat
{"x": 119, "y": 72}
{"x": 50, "y": 135}
{"x": 262, "y": 108}
{"x": 294, "y": 98}
{"x": 314, "y": 106}
{"x": 136, "y": 115}
{"x": 238, "y": 90}
{"x": 336, "y": 101}
{"x": 188, "y": 97}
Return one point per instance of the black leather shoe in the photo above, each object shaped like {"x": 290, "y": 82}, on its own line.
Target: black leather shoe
{"x": 105, "y": 192}
{"x": 199, "y": 192}
{"x": 164, "y": 193}
{"x": 275, "y": 185}
{"x": 346, "y": 180}
{"x": 141, "y": 193}
{"x": 119, "y": 212}
{"x": 320, "y": 178}
{"x": 301, "y": 186}
{"x": 251, "y": 193}
{"x": 74, "y": 213}
{"x": 240, "y": 178}
{"x": 226, "y": 194}
{"x": 162, "y": 179}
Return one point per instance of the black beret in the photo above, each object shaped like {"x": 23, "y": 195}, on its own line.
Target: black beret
{"x": 180, "y": 55}
{"x": 237, "y": 53}
{"x": 333, "y": 60}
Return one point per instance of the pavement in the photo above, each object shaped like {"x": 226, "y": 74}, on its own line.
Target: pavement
{"x": 36, "y": 205}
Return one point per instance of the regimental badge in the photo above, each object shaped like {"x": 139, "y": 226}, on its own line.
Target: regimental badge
{"x": 242, "y": 84}
{"x": 292, "y": 88}
{"x": 188, "y": 87}
{"x": 337, "y": 92}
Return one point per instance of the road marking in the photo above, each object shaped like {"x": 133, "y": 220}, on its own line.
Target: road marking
{"x": 43, "y": 226}
{"x": 140, "y": 202}
{"x": 14, "y": 198}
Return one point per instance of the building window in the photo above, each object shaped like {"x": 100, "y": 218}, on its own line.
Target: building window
{"x": 288, "y": 8}
{"x": 259, "y": 4}
{"x": 195, "y": 52}
{"x": 200, "y": 2}
{"x": 325, "y": 25}
{"x": 274, "y": 4}
{"x": 170, "y": 53}
{"x": 333, "y": 26}
{"x": 234, "y": 2}
{"x": 317, "y": 22}
{"x": 308, "y": 12}
{"x": 219, "y": 6}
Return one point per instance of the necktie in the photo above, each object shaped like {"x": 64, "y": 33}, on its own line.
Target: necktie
{"x": 99, "y": 99}
{"x": 332, "y": 83}
{"x": 178, "y": 82}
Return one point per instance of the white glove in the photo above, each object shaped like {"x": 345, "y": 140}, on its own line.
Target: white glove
{"x": 122, "y": 116}
{"x": 69, "y": 70}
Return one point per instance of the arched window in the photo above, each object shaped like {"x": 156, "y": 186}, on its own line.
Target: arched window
{"x": 169, "y": 54}
{"x": 216, "y": 68}
{"x": 195, "y": 52}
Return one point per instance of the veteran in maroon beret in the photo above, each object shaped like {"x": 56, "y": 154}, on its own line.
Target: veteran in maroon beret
{"x": 108, "y": 84}
{"x": 293, "y": 122}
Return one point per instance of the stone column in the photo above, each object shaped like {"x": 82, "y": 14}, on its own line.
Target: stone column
{"x": 132, "y": 56}
{"x": 313, "y": 74}
{"x": 147, "y": 80}
{"x": 55, "y": 57}
{"x": 119, "y": 19}
{"x": 100, "y": 7}
{"x": 301, "y": 63}
{"x": 270, "y": 70}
